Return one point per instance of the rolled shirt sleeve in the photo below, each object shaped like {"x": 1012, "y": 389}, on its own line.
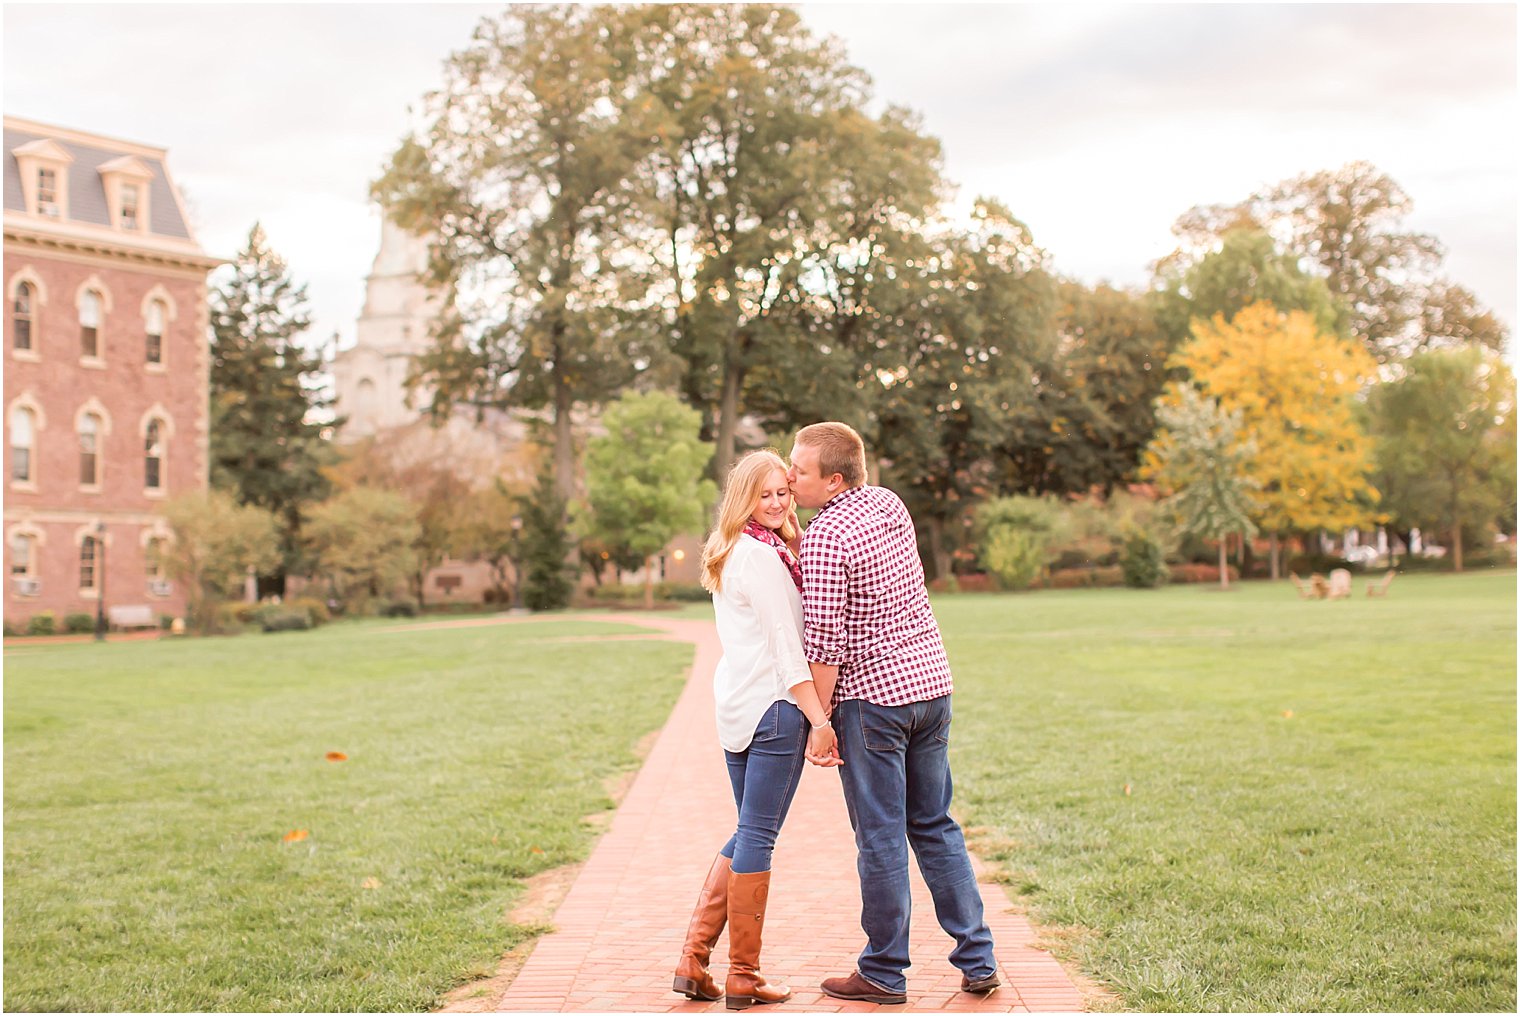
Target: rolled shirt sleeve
{"x": 825, "y": 593}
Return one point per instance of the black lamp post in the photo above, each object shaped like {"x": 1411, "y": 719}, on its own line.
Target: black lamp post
{"x": 100, "y": 582}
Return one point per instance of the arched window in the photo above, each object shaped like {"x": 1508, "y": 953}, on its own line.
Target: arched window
{"x": 153, "y": 454}
{"x": 153, "y": 559}
{"x": 89, "y": 447}
{"x": 23, "y": 438}
{"x": 21, "y": 317}
{"x": 88, "y": 575}
{"x": 21, "y": 554}
{"x": 155, "y": 332}
{"x": 89, "y": 323}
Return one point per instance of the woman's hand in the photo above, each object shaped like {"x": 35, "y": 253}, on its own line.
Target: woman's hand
{"x": 823, "y": 748}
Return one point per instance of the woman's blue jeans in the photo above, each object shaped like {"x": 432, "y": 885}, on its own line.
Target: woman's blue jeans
{"x": 765, "y": 777}
{"x": 897, "y": 787}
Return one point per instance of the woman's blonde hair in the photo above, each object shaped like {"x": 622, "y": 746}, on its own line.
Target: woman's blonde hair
{"x": 741, "y": 495}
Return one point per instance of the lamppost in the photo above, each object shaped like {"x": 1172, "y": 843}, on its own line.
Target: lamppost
{"x": 517, "y": 575}
{"x": 100, "y": 582}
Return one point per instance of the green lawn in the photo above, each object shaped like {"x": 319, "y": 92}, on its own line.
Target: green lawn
{"x": 149, "y": 786}
{"x": 1319, "y": 814}
{"x": 1246, "y": 801}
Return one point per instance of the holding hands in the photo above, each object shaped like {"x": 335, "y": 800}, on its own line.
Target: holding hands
{"x": 823, "y": 747}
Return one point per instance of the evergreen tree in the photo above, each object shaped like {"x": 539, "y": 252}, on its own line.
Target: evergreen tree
{"x": 547, "y": 581}
{"x": 265, "y": 448}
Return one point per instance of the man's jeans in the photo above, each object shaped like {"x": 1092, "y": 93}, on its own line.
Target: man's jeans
{"x": 896, "y": 777}
{"x": 765, "y": 777}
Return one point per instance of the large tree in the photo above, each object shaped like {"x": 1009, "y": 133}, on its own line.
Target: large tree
{"x": 1446, "y": 442}
{"x": 267, "y": 444}
{"x": 1294, "y": 387}
{"x": 957, "y": 392}
{"x": 521, "y": 180}
{"x": 1348, "y": 225}
{"x": 1095, "y": 413}
{"x": 776, "y": 198}
{"x": 216, "y": 541}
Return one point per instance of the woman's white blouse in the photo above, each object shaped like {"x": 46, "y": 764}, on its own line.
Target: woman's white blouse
{"x": 759, "y": 614}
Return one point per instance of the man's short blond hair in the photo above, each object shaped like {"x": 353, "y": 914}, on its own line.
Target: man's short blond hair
{"x": 840, "y": 450}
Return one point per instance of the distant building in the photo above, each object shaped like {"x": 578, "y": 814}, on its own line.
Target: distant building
{"x": 396, "y": 325}
{"x": 106, "y": 370}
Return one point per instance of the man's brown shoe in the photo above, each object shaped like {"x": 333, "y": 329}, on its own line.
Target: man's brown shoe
{"x": 856, "y": 988}
{"x": 982, "y": 985}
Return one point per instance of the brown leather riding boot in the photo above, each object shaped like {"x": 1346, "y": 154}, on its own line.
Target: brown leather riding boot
{"x": 692, "y": 978}
{"x": 746, "y": 986}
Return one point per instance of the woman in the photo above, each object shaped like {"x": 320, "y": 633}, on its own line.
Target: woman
{"x": 766, "y": 703}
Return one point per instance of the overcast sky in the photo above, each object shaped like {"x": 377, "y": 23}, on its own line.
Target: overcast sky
{"x": 1097, "y": 125}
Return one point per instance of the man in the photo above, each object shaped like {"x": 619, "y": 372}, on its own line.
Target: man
{"x": 875, "y": 652}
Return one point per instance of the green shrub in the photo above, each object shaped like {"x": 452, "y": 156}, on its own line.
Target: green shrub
{"x": 42, "y": 623}
{"x": 315, "y": 609}
{"x": 12, "y": 630}
{"x": 682, "y": 592}
{"x": 399, "y": 608}
{"x": 1143, "y": 561}
{"x": 284, "y": 620}
{"x": 165, "y": 622}
{"x": 1014, "y": 556}
{"x": 78, "y": 623}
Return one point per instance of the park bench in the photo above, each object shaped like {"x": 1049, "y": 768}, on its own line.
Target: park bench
{"x": 136, "y": 615}
{"x": 1380, "y": 588}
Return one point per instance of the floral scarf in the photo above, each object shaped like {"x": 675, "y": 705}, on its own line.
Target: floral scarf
{"x": 773, "y": 538}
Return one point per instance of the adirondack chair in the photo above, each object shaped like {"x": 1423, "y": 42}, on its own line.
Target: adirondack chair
{"x": 1380, "y": 588}
{"x": 1340, "y": 584}
{"x": 1305, "y": 589}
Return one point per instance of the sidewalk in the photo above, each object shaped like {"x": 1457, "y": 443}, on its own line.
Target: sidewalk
{"x": 620, "y": 928}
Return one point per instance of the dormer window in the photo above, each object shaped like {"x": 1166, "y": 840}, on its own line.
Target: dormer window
{"x": 43, "y": 166}
{"x": 126, "y": 183}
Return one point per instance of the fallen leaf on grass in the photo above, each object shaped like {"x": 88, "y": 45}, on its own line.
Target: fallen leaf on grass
{"x": 1287, "y": 714}
{"x": 538, "y": 850}
{"x": 294, "y": 836}
{"x": 370, "y": 883}
{"x": 1126, "y": 790}
{"x": 336, "y": 756}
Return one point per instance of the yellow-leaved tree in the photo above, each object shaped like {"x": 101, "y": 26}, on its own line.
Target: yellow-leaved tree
{"x": 1294, "y": 387}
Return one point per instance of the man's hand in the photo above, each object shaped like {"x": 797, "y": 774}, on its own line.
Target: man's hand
{"x": 823, "y": 748}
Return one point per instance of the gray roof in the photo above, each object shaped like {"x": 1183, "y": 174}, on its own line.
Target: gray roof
{"x": 87, "y": 192}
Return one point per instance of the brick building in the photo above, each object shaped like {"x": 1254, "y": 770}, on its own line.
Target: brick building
{"x": 106, "y": 370}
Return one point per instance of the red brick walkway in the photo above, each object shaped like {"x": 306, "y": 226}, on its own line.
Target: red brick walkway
{"x": 619, "y": 930}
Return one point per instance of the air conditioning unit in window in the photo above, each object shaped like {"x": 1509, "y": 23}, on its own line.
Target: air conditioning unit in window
{"x": 28, "y": 587}
{"x": 160, "y": 587}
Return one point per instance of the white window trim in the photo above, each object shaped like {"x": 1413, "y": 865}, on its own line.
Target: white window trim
{"x": 115, "y": 175}
{"x": 88, "y": 529}
{"x": 44, "y": 153}
{"x": 39, "y": 299}
{"x": 166, "y": 422}
{"x": 171, "y": 314}
{"x": 26, "y": 400}
{"x": 93, "y": 406}
{"x": 39, "y": 540}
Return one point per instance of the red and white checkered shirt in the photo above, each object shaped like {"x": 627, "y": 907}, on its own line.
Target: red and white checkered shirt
{"x": 864, "y": 605}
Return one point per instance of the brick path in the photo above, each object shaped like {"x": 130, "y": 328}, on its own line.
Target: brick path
{"x": 620, "y": 928}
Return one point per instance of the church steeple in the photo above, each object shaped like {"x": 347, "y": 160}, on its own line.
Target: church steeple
{"x": 394, "y": 326}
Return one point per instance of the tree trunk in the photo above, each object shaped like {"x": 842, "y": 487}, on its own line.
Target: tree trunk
{"x": 1276, "y": 557}
{"x": 564, "y": 441}
{"x": 1224, "y": 566}
{"x": 1456, "y": 546}
{"x": 728, "y": 422}
{"x": 937, "y": 552}
{"x": 649, "y": 583}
